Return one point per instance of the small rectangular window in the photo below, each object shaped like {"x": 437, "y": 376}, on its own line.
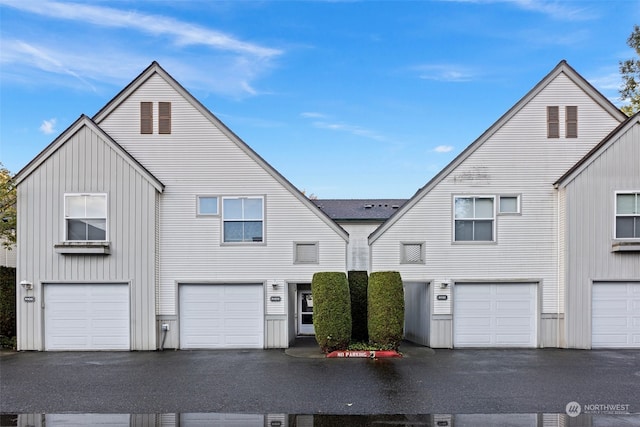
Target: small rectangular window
{"x": 553, "y": 122}
{"x": 85, "y": 217}
{"x": 207, "y": 205}
{"x": 627, "y": 216}
{"x": 243, "y": 219}
{"x": 412, "y": 253}
{"x": 306, "y": 253}
{"x": 474, "y": 219}
{"x": 509, "y": 205}
{"x": 146, "y": 117}
{"x": 571, "y": 118}
{"x": 164, "y": 118}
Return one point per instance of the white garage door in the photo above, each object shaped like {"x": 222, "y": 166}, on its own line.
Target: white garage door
{"x": 86, "y": 317}
{"x": 495, "y": 315}
{"x": 221, "y": 316}
{"x": 616, "y": 315}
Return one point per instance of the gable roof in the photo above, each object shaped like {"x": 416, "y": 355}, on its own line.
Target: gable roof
{"x": 562, "y": 68}
{"x": 84, "y": 121}
{"x": 375, "y": 210}
{"x": 156, "y": 69}
{"x": 596, "y": 151}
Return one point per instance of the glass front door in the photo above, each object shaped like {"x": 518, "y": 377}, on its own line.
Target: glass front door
{"x": 305, "y": 313}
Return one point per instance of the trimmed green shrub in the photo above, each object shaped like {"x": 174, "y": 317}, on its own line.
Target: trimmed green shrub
{"x": 7, "y": 305}
{"x": 358, "y": 282}
{"x": 386, "y": 308}
{"x": 331, "y": 310}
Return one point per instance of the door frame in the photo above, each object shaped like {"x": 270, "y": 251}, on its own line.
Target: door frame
{"x": 303, "y": 329}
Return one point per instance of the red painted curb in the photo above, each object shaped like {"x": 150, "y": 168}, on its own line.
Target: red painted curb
{"x": 370, "y": 354}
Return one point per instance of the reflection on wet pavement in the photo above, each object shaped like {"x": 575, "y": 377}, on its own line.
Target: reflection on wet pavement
{"x": 316, "y": 420}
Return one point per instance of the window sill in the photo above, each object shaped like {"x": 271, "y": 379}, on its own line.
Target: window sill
{"x": 625, "y": 246}
{"x": 83, "y": 248}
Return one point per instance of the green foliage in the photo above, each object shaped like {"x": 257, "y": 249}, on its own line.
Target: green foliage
{"x": 358, "y": 282}
{"x": 7, "y": 306}
{"x": 331, "y": 310}
{"x": 630, "y": 71}
{"x": 8, "y": 213}
{"x": 364, "y": 346}
{"x": 386, "y": 309}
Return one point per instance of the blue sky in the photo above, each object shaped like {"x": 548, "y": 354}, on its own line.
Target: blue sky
{"x": 347, "y": 99}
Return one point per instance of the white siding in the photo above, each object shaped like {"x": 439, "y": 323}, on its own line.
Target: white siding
{"x": 516, "y": 159}
{"x": 358, "y": 248}
{"x": 86, "y": 163}
{"x": 590, "y": 217}
{"x": 7, "y": 255}
{"x": 199, "y": 158}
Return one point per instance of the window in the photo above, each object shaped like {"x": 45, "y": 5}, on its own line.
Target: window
{"x": 85, "y": 217}
{"x": 412, "y": 253}
{"x": 243, "y": 219}
{"x": 628, "y": 215}
{"x": 571, "y": 118}
{"x": 305, "y": 253}
{"x": 474, "y": 218}
{"x": 164, "y": 117}
{"x": 207, "y": 205}
{"x": 509, "y": 205}
{"x": 146, "y": 117}
{"x": 553, "y": 122}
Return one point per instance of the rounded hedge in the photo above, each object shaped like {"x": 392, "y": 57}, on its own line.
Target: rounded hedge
{"x": 331, "y": 310}
{"x": 358, "y": 282}
{"x": 386, "y": 309}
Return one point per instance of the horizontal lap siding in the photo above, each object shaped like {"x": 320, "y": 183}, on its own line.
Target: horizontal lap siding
{"x": 517, "y": 159}
{"x": 87, "y": 164}
{"x": 590, "y": 217}
{"x": 197, "y": 158}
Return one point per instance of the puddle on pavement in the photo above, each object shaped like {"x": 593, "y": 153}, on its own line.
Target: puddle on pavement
{"x": 317, "y": 420}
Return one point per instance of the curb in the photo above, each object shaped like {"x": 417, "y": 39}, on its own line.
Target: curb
{"x": 370, "y": 354}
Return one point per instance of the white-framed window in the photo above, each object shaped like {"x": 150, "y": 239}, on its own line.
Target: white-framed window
{"x": 305, "y": 253}
{"x": 85, "y": 217}
{"x": 627, "y": 215}
{"x": 207, "y": 205}
{"x": 243, "y": 219}
{"x": 474, "y": 218}
{"x": 509, "y": 204}
{"x": 412, "y": 253}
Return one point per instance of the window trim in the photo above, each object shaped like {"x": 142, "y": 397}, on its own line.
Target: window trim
{"x": 556, "y": 121}
{"x": 494, "y": 227}
{"x": 403, "y": 258}
{"x": 316, "y": 246}
{"x": 518, "y": 205}
{"x": 615, "y": 214}
{"x": 207, "y": 196}
{"x": 264, "y": 221}
{"x": 66, "y": 218}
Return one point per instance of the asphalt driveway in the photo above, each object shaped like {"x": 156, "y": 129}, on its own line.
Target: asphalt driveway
{"x": 271, "y": 381}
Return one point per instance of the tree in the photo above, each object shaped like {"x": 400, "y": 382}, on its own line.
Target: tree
{"x": 630, "y": 71}
{"x": 8, "y": 211}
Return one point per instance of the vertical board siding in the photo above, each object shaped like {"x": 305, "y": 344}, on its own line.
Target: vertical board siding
{"x": 517, "y": 159}
{"x": 417, "y": 313}
{"x": 590, "y": 218}
{"x": 87, "y": 164}
{"x": 198, "y": 158}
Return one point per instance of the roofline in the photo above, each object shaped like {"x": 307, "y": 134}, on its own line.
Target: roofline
{"x": 62, "y": 139}
{"x": 584, "y": 162}
{"x": 562, "y": 67}
{"x": 155, "y": 68}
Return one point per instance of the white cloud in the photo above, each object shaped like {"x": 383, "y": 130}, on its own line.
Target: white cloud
{"x": 444, "y": 72}
{"x": 48, "y": 126}
{"x": 351, "y": 129}
{"x": 443, "y": 148}
{"x": 564, "y": 11}
{"x": 312, "y": 115}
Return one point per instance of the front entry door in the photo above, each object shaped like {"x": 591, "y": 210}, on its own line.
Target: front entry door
{"x": 305, "y": 313}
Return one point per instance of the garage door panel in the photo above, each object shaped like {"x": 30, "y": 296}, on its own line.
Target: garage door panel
{"x": 495, "y": 315}
{"x": 221, "y": 316}
{"x": 87, "y": 317}
{"x": 615, "y": 315}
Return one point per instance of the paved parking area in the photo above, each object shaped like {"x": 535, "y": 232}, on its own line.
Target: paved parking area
{"x": 272, "y": 381}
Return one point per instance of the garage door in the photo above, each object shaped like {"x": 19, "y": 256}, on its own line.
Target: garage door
{"x": 616, "y": 315}
{"x": 221, "y": 316}
{"x": 495, "y": 315}
{"x": 86, "y": 317}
